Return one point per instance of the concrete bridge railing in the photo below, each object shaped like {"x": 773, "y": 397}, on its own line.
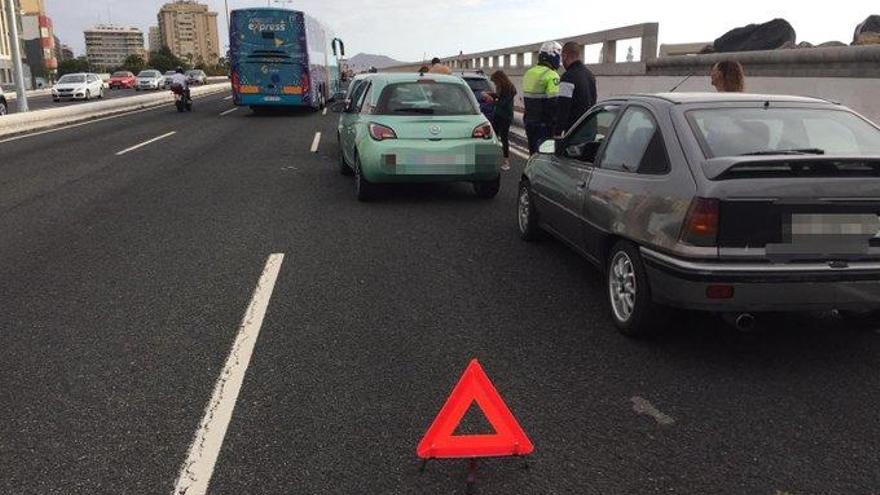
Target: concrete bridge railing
{"x": 849, "y": 75}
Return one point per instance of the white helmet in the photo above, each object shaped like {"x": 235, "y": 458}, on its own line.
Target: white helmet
{"x": 551, "y": 52}
{"x": 551, "y": 48}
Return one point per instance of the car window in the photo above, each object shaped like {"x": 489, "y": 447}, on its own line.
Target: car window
{"x": 479, "y": 85}
{"x": 426, "y": 97}
{"x": 740, "y": 131}
{"x": 357, "y": 94}
{"x": 584, "y": 140}
{"x": 636, "y": 145}
{"x": 363, "y": 105}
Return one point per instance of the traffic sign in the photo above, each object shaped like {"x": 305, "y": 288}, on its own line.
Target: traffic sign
{"x": 509, "y": 438}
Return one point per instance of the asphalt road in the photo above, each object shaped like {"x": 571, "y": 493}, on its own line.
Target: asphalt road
{"x": 123, "y": 280}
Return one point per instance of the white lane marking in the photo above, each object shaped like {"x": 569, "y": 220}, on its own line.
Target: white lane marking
{"x": 101, "y": 119}
{"x": 324, "y": 112}
{"x": 316, "y": 142}
{"x": 227, "y": 98}
{"x": 145, "y": 143}
{"x": 196, "y": 472}
{"x": 229, "y": 111}
{"x": 642, "y": 406}
{"x": 520, "y": 152}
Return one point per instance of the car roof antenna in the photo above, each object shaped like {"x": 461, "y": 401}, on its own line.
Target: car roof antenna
{"x": 682, "y": 82}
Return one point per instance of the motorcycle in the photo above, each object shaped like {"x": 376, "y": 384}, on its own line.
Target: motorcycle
{"x": 182, "y": 99}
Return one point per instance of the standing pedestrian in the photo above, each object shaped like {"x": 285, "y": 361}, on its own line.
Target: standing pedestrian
{"x": 437, "y": 67}
{"x": 504, "y": 95}
{"x": 729, "y": 77}
{"x": 577, "y": 90}
{"x": 540, "y": 91}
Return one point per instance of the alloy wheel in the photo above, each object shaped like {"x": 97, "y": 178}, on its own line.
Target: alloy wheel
{"x": 525, "y": 209}
{"x": 622, "y": 286}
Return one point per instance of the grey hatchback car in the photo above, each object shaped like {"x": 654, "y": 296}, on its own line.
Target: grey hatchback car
{"x": 729, "y": 203}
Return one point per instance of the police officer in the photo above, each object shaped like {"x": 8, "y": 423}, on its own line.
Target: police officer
{"x": 540, "y": 90}
{"x": 577, "y": 90}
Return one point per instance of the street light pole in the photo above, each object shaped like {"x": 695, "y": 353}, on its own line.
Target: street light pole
{"x": 16, "y": 56}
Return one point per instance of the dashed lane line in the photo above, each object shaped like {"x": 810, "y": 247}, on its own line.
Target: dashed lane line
{"x": 227, "y": 98}
{"x": 642, "y": 406}
{"x": 195, "y": 474}
{"x": 520, "y": 152}
{"x": 145, "y": 143}
{"x": 227, "y": 112}
{"x": 316, "y": 142}
{"x": 324, "y": 112}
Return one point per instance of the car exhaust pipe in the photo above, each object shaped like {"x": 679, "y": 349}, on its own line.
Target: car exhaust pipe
{"x": 744, "y": 322}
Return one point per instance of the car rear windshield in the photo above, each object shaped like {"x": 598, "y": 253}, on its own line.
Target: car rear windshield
{"x": 425, "y": 98}
{"x": 766, "y": 131}
{"x": 71, "y": 79}
{"x": 478, "y": 85}
{"x": 148, "y": 73}
{"x": 120, "y": 74}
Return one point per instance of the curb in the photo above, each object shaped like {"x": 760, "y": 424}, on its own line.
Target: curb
{"x": 40, "y": 120}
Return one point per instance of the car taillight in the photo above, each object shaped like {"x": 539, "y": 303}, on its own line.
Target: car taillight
{"x": 236, "y": 84}
{"x": 380, "y": 132}
{"x": 701, "y": 224}
{"x": 306, "y": 83}
{"x": 484, "y": 131}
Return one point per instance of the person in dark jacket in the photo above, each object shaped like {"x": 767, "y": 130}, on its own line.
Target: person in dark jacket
{"x": 577, "y": 89}
{"x": 504, "y": 94}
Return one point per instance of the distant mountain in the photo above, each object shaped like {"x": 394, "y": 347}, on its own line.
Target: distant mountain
{"x": 363, "y": 61}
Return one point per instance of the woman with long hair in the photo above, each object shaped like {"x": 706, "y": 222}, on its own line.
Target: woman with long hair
{"x": 729, "y": 77}
{"x": 504, "y": 95}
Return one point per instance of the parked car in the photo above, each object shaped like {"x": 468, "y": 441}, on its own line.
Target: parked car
{"x": 122, "y": 80}
{"x": 166, "y": 79}
{"x": 405, "y": 128}
{"x": 149, "y": 79}
{"x": 4, "y": 104}
{"x": 82, "y": 86}
{"x": 196, "y": 77}
{"x": 480, "y": 84}
{"x": 728, "y": 203}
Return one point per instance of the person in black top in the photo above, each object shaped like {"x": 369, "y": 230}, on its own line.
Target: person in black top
{"x": 577, "y": 89}
{"x": 503, "y": 98}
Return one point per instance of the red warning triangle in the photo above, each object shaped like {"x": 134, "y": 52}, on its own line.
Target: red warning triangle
{"x": 509, "y": 438}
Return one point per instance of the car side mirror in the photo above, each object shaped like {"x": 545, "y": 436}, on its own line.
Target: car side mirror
{"x": 339, "y": 106}
{"x": 548, "y": 147}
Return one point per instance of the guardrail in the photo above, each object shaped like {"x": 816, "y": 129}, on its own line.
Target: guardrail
{"x": 516, "y": 60}
{"x": 38, "y": 120}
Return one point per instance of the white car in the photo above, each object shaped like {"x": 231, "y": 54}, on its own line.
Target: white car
{"x": 166, "y": 81}
{"x": 149, "y": 79}
{"x": 82, "y": 86}
{"x": 4, "y": 106}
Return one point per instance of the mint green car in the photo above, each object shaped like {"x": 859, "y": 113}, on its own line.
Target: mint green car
{"x": 412, "y": 128}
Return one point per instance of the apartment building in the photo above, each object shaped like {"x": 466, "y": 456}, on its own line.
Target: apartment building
{"x": 189, "y": 30}
{"x": 38, "y": 39}
{"x": 108, "y": 46}
{"x": 155, "y": 39}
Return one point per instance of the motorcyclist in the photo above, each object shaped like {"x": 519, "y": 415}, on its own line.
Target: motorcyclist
{"x": 179, "y": 83}
{"x": 540, "y": 91}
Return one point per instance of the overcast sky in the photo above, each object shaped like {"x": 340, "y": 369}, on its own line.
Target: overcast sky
{"x": 407, "y": 29}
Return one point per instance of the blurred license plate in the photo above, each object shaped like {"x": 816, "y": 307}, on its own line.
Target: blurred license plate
{"x": 435, "y": 159}
{"x": 859, "y": 225}
{"x": 272, "y": 98}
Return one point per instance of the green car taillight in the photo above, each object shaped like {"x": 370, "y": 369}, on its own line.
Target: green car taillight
{"x": 380, "y": 132}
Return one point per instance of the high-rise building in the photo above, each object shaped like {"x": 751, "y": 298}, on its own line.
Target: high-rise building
{"x": 155, "y": 39}
{"x": 5, "y": 49}
{"x": 190, "y": 31}
{"x": 107, "y": 46}
{"x": 38, "y": 38}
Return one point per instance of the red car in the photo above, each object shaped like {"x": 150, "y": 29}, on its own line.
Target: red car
{"x": 122, "y": 80}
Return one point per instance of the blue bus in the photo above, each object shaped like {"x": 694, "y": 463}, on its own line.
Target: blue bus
{"x": 280, "y": 57}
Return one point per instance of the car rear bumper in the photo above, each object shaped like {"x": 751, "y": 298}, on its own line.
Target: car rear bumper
{"x": 398, "y": 161}
{"x": 758, "y": 287}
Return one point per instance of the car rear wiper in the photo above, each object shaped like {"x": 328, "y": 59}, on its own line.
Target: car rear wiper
{"x": 799, "y": 151}
{"x": 424, "y": 111}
